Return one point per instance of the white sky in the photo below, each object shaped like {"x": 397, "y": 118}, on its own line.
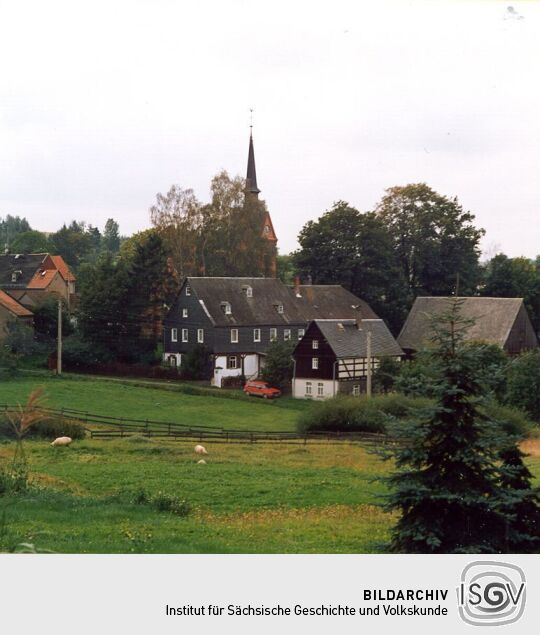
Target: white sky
{"x": 104, "y": 104}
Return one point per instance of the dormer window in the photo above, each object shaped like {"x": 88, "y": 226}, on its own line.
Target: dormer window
{"x": 14, "y": 277}
{"x": 226, "y": 308}
{"x": 247, "y": 291}
{"x": 279, "y": 308}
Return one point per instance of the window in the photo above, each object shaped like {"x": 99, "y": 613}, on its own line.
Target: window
{"x": 174, "y": 335}
{"x": 200, "y": 336}
{"x": 273, "y": 335}
{"x": 356, "y": 390}
{"x": 308, "y": 388}
{"x": 232, "y": 361}
{"x": 280, "y": 308}
{"x": 185, "y": 335}
{"x": 184, "y": 313}
{"x": 172, "y": 361}
{"x": 234, "y": 336}
{"x": 315, "y": 344}
{"x": 256, "y": 335}
{"x": 188, "y": 289}
{"x": 301, "y": 333}
{"x": 287, "y": 334}
{"x": 248, "y": 291}
{"x": 226, "y": 308}
{"x": 320, "y": 390}
{"x": 314, "y": 363}
{"x": 14, "y": 277}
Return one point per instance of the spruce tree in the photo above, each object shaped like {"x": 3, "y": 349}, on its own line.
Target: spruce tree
{"x": 446, "y": 487}
{"x": 522, "y": 531}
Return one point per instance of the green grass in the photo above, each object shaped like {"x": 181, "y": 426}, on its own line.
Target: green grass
{"x": 247, "y": 498}
{"x": 264, "y": 498}
{"x": 133, "y": 400}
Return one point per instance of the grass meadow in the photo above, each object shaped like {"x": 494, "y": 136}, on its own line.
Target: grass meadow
{"x": 248, "y": 498}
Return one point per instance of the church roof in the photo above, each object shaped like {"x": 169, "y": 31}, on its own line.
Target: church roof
{"x": 251, "y": 176}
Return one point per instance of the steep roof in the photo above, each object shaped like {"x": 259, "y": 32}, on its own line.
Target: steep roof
{"x": 315, "y": 301}
{"x": 494, "y": 318}
{"x": 347, "y": 340}
{"x": 328, "y": 301}
{"x": 261, "y": 308}
{"x": 26, "y": 264}
{"x": 42, "y": 279}
{"x": 13, "y": 306}
{"x": 63, "y": 268}
{"x": 251, "y": 176}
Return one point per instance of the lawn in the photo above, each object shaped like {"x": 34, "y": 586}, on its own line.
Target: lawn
{"x": 117, "y": 399}
{"x": 248, "y": 498}
{"x": 265, "y": 498}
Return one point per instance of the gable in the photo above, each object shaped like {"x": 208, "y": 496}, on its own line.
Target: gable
{"x": 493, "y": 319}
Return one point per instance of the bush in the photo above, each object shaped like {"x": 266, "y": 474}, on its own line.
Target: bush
{"x": 357, "y": 414}
{"x": 278, "y": 364}
{"x": 384, "y": 377}
{"x": 162, "y": 502}
{"x": 512, "y": 420}
{"x": 524, "y": 383}
{"x": 46, "y": 429}
{"x": 197, "y": 363}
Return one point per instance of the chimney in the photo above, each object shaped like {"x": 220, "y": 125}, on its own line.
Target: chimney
{"x": 297, "y": 287}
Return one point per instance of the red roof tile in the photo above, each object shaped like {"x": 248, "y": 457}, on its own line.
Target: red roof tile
{"x": 13, "y": 306}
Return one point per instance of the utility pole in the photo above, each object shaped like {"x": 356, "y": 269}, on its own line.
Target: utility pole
{"x": 59, "y": 341}
{"x": 368, "y": 375}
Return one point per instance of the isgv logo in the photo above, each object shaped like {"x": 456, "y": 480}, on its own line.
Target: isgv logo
{"x": 491, "y": 593}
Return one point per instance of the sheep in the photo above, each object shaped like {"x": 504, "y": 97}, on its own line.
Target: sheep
{"x": 201, "y": 462}
{"x": 62, "y": 441}
{"x": 200, "y": 449}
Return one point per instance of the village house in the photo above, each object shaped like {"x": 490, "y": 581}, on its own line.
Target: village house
{"x": 237, "y": 318}
{"x": 31, "y": 279}
{"x": 332, "y": 357}
{"x": 501, "y": 321}
{"x": 11, "y": 310}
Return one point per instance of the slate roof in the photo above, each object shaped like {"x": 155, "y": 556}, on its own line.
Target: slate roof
{"x": 494, "y": 318}
{"x": 348, "y": 341}
{"x": 268, "y": 293}
{"x": 329, "y": 301}
{"x": 13, "y": 306}
{"x": 30, "y": 267}
{"x": 27, "y": 264}
{"x": 316, "y": 302}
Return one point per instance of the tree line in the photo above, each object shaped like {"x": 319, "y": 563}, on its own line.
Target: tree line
{"x": 414, "y": 242}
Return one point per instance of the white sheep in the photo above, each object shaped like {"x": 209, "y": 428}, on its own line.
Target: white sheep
{"x": 62, "y": 441}
{"x": 201, "y": 462}
{"x": 200, "y": 449}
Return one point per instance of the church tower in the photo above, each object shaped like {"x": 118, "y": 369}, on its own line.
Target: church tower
{"x": 267, "y": 230}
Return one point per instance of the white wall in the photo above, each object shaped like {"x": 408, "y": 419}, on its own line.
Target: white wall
{"x": 178, "y": 358}
{"x": 299, "y": 388}
{"x": 221, "y": 370}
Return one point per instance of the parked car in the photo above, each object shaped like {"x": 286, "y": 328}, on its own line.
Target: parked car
{"x": 258, "y": 388}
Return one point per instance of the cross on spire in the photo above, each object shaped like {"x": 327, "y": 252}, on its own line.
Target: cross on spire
{"x": 251, "y": 176}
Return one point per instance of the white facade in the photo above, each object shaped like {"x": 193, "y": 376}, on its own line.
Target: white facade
{"x": 314, "y": 388}
{"x": 172, "y": 359}
{"x": 222, "y": 367}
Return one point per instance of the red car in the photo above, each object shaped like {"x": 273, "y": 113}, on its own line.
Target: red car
{"x": 257, "y": 388}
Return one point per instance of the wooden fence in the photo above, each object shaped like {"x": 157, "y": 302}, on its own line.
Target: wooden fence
{"x": 106, "y": 427}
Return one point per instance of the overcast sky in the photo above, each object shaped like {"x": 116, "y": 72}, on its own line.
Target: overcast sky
{"x": 104, "y": 104}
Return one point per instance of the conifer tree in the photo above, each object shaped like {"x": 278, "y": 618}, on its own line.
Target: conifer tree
{"x": 446, "y": 487}
{"x": 522, "y": 532}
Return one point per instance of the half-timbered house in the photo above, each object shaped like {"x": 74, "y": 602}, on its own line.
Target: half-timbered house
{"x": 332, "y": 357}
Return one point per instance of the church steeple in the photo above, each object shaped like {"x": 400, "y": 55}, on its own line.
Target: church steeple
{"x": 251, "y": 176}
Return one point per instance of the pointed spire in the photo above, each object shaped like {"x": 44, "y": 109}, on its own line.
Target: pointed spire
{"x": 251, "y": 176}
